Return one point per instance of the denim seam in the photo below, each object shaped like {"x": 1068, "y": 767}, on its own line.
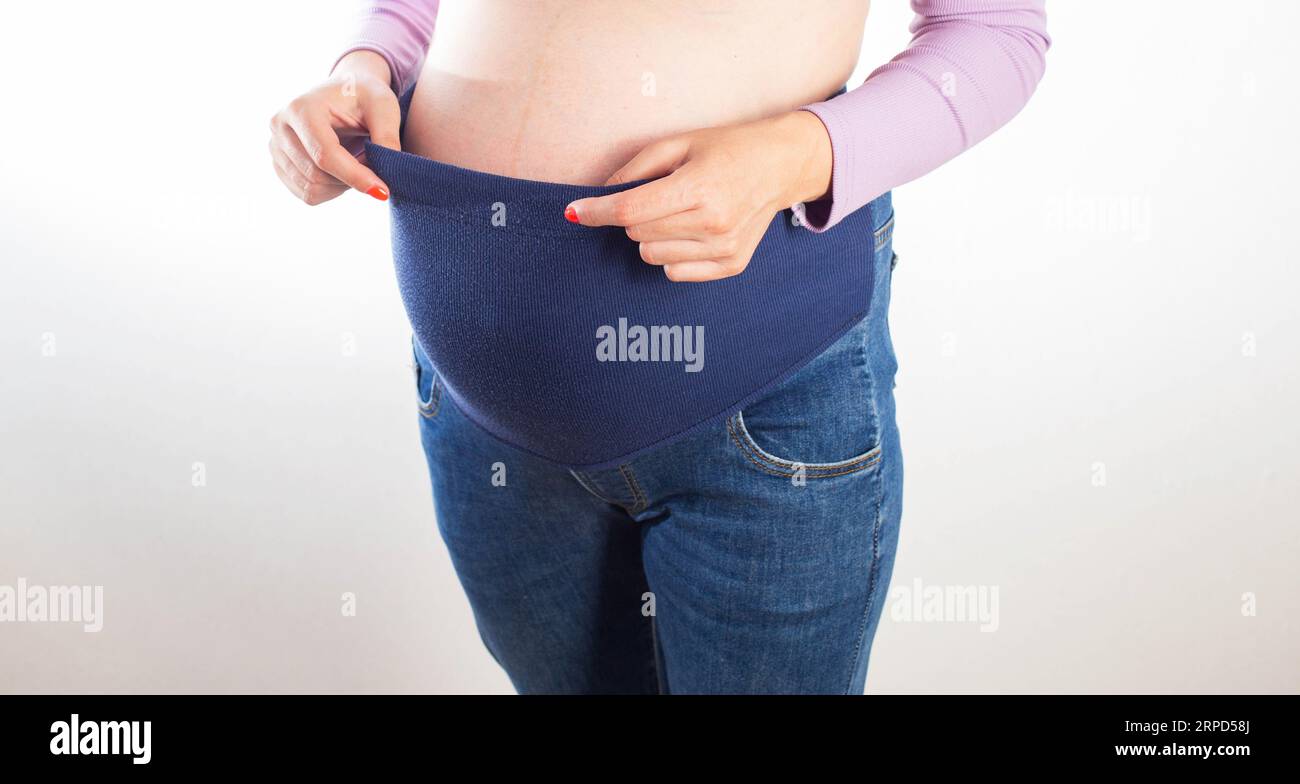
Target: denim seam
{"x": 870, "y": 379}
{"x": 873, "y": 570}
{"x": 788, "y": 468}
{"x": 818, "y": 471}
{"x": 873, "y": 575}
{"x": 884, "y": 233}
{"x": 429, "y": 410}
{"x": 639, "y": 500}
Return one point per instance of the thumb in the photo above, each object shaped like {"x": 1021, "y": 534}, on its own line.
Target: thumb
{"x": 654, "y": 160}
{"x": 383, "y": 118}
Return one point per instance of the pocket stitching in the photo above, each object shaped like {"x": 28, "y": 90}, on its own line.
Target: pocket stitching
{"x": 776, "y": 466}
{"x": 429, "y": 408}
{"x": 884, "y": 233}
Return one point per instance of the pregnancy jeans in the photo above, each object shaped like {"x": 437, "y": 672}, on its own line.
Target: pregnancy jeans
{"x": 751, "y": 556}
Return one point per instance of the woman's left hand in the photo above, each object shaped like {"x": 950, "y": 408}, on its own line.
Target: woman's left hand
{"x": 703, "y": 220}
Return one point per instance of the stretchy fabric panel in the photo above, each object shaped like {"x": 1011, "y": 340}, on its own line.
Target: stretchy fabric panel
{"x": 510, "y": 301}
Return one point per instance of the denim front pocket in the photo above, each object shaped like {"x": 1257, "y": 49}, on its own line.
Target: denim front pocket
{"x": 822, "y": 421}
{"x": 428, "y": 387}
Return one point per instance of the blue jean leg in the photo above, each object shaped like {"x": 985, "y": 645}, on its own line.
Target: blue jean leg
{"x": 769, "y": 547}
{"x": 553, "y": 573}
{"x": 751, "y": 557}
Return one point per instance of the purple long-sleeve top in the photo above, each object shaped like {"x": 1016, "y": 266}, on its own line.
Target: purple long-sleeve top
{"x": 970, "y": 67}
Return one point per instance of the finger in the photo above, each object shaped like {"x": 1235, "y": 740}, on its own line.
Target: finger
{"x": 287, "y": 145}
{"x": 312, "y": 193}
{"x": 283, "y": 141}
{"x": 641, "y": 204}
{"x": 693, "y": 224}
{"x": 382, "y": 117}
{"x": 699, "y": 271}
{"x": 291, "y": 177}
{"x": 655, "y": 160}
{"x": 677, "y": 251}
{"x": 322, "y": 145}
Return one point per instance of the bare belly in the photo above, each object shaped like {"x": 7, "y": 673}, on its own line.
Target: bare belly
{"x": 568, "y": 91}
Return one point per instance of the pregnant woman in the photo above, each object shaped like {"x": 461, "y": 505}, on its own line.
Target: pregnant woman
{"x": 646, "y": 252}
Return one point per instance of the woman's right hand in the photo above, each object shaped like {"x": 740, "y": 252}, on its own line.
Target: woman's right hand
{"x": 307, "y": 136}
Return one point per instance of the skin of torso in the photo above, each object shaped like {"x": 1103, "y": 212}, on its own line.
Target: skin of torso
{"x": 569, "y": 90}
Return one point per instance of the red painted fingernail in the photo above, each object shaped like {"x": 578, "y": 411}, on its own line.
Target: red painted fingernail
{"x": 571, "y": 215}
{"x": 379, "y": 192}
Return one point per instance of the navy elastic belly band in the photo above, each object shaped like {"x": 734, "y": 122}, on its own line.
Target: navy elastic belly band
{"x": 531, "y": 321}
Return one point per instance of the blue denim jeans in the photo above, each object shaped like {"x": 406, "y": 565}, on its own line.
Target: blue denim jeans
{"x": 750, "y": 557}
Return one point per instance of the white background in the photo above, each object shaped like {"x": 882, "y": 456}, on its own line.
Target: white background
{"x": 1095, "y": 315}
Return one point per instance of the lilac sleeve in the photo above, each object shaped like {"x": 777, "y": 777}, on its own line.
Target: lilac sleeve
{"x": 971, "y": 66}
{"x": 397, "y": 30}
